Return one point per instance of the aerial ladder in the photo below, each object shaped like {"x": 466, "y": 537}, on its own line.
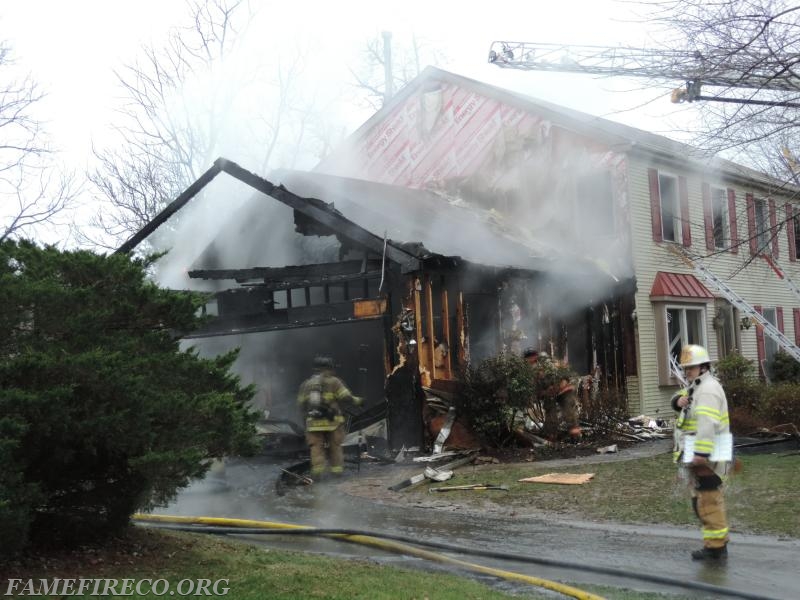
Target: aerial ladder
{"x": 745, "y": 70}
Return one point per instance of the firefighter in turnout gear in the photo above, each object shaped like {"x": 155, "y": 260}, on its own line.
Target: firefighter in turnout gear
{"x": 703, "y": 419}
{"x": 320, "y": 398}
{"x": 561, "y": 398}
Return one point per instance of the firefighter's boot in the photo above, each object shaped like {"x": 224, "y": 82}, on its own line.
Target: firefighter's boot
{"x": 711, "y": 554}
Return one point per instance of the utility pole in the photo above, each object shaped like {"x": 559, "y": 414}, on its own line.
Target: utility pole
{"x": 388, "y": 88}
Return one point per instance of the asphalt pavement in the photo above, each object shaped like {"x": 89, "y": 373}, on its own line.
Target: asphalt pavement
{"x": 759, "y": 565}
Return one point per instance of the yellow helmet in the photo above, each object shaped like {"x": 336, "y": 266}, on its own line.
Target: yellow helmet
{"x": 693, "y": 355}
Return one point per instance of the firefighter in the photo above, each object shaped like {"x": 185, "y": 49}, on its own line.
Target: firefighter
{"x": 320, "y": 398}
{"x": 704, "y": 416}
{"x": 560, "y": 396}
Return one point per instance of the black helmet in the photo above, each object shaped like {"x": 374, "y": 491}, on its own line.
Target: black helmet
{"x": 530, "y": 351}
{"x": 323, "y": 362}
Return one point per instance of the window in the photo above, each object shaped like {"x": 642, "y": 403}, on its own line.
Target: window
{"x": 770, "y": 345}
{"x": 719, "y": 216}
{"x": 762, "y": 225}
{"x": 595, "y": 205}
{"x": 670, "y": 207}
{"x": 796, "y": 226}
{"x": 280, "y": 299}
{"x": 677, "y": 324}
{"x": 684, "y": 326}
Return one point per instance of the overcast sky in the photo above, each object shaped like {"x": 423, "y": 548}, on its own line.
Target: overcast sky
{"x": 72, "y": 48}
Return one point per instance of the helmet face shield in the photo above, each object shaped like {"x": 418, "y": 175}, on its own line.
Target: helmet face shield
{"x": 693, "y": 355}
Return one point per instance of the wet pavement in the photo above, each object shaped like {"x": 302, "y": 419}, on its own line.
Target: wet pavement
{"x": 759, "y": 565}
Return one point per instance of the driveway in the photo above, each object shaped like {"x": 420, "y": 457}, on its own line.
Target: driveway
{"x": 759, "y": 565}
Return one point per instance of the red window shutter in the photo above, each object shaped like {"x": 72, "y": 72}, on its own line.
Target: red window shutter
{"x": 732, "y": 218}
{"x": 796, "y": 315}
{"x": 773, "y": 227}
{"x": 655, "y": 205}
{"x": 686, "y": 229}
{"x": 751, "y": 224}
{"x": 708, "y": 217}
{"x": 779, "y": 317}
{"x": 790, "y": 233}
{"x": 762, "y": 353}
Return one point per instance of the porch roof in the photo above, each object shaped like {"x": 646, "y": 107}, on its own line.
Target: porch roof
{"x": 679, "y": 285}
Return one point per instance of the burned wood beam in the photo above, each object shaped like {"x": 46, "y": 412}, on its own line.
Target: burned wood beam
{"x": 448, "y": 364}
{"x": 293, "y": 272}
{"x": 322, "y": 213}
{"x": 169, "y": 210}
{"x": 272, "y": 327}
{"x": 429, "y": 332}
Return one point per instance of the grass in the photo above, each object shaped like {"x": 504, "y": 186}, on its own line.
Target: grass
{"x": 760, "y": 499}
{"x": 254, "y": 572}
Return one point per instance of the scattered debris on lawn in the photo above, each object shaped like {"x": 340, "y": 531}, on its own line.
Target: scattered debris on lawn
{"x": 613, "y": 448}
{"x": 435, "y": 457}
{"x": 469, "y": 488}
{"x": 437, "y": 475}
{"x": 563, "y": 478}
{"x": 467, "y": 457}
{"x": 780, "y": 437}
{"x": 639, "y": 429}
{"x": 300, "y": 478}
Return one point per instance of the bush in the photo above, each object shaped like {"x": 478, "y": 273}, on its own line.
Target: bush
{"x": 785, "y": 369}
{"x": 735, "y": 368}
{"x": 102, "y": 414}
{"x": 493, "y": 394}
{"x": 603, "y": 407}
{"x": 781, "y": 404}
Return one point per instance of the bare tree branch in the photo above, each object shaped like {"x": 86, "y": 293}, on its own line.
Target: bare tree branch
{"x": 748, "y": 41}
{"x": 188, "y": 101}
{"x": 408, "y": 61}
{"x": 32, "y": 194}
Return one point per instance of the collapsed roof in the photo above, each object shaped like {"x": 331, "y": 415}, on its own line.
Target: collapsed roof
{"x": 407, "y": 226}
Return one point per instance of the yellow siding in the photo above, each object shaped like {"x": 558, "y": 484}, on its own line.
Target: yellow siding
{"x": 757, "y": 283}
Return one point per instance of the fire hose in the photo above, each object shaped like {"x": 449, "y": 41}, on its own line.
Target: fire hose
{"x": 247, "y": 526}
{"x": 401, "y": 545}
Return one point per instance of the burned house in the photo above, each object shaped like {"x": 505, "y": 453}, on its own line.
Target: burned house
{"x": 711, "y": 247}
{"x": 403, "y": 289}
{"x": 463, "y": 220}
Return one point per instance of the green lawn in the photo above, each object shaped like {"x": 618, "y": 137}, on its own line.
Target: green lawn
{"x": 761, "y": 499}
{"x": 254, "y": 572}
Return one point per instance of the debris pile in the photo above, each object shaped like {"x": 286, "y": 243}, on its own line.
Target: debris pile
{"x": 637, "y": 429}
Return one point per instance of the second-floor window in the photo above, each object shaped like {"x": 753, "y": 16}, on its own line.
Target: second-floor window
{"x": 719, "y": 215}
{"x": 762, "y": 225}
{"x": 796, "y": 225}
{"x": 670, "y": 207}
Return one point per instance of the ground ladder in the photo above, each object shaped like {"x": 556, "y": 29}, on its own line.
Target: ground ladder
{"x": 782, "y": 275}
{"x": 736, "y": 300}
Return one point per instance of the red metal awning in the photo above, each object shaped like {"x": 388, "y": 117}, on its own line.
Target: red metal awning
{"x": 679, "y": 285}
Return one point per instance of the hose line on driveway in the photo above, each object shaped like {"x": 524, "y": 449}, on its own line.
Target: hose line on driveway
{"x": 388, "y": 542}
{"x": 242, "y": 526}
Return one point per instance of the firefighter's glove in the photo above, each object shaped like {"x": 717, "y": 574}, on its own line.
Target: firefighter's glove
{"x": 358, "y": 400}
{"x": 682, "y": 394}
